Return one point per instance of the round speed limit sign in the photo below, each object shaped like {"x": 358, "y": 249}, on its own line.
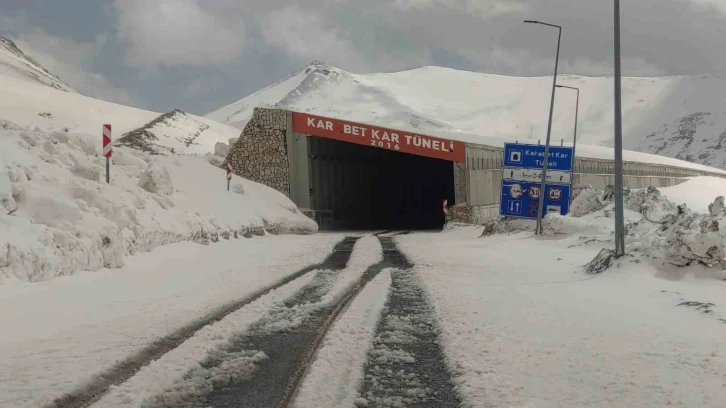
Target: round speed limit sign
{"x": 535, "y": 192}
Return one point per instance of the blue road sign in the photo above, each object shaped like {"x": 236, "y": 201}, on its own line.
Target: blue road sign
{"x": 520, "y": 199}
{"x": 528, "y": 156}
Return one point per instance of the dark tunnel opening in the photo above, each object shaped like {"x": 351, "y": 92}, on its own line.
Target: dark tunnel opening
{"x": 366, "y": 188}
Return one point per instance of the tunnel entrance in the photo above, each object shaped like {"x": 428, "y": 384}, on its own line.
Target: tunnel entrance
{"x": 366, "y": 188}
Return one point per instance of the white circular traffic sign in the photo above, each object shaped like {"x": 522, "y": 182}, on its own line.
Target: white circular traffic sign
{"x": 535, "y": 192}
{"x": 515, "y": 191}
{"x": 555, "y": 194}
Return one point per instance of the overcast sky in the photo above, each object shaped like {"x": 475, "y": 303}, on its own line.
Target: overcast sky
{"x": 198, "y": 55}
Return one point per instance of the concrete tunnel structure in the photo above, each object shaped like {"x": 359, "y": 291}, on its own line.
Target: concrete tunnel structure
{"x": 351, "y": 175}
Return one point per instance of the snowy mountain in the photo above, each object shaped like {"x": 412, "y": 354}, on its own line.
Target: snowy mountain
{"x": 14, "y": 63}
{"x": 681, "y": 116}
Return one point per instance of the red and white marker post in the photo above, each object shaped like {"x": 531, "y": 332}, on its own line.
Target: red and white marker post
{"x": 107, "y": 150}
{"x": 229, "y": 174}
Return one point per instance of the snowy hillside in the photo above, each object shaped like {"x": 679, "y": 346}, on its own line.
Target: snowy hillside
{"x": 58, "y": 216}
{"x": 33, "y": 106}
{"x": 14, "y": 63}
{"x": 681, "y": 117}
{"x": 169, "y": 133}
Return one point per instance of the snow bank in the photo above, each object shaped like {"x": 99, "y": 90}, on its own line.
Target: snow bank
{"x": 156, "y": 180}
{"x": 58, "y": 217}
{"x": 697, "y": 193}
{"x": 658, "y": 230}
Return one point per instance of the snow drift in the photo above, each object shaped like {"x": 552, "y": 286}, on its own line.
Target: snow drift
{"x": 658, "y": 230}
{"x": 58, "y": 216}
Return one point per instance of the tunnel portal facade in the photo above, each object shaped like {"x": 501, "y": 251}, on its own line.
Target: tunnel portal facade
{"x": 349, "y": 175}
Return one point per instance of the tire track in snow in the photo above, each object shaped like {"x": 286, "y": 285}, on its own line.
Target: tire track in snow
{"x": 288, "y": 337}
{"x": 126, "y": 368}
{"x": 270, "y": 360}
{"x": 333, "y": 377}
{"x": 406, "y": 366}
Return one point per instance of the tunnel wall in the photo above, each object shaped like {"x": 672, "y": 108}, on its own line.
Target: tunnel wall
{"x": 486, "y": 187}
{"x": 484, "y": 163}
{"x": 260, "y": 153}
{"x": 299, "y": 170}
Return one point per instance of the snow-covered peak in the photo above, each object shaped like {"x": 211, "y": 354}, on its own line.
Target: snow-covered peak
{"x": 319, "y": 67}
{"x": 281, "y": 94}
{"x": 15, "y": 63}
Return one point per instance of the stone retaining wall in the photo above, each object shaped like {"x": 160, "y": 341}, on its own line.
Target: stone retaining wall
{"x": 312, "y": 214}
{"x": 460, "y": 213}
{"x": 260, "y": 153}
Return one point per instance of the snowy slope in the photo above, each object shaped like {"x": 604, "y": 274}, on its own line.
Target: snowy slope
{"x": 14, "y": 63}
{"x": 30, "y": 97}
{"x": 33, "y": 106}
{"x": 58, "y": 216}
{"x": 682, "y": 117}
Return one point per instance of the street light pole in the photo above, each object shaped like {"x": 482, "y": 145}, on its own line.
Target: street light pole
{"x": 549, "y": 127}
{"x": 574, "y": 139}
{"x": 618, "y": 196}
{"x": 577, "y": 108}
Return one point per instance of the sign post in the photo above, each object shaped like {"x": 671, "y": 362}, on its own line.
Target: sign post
{"x": 618, "y": 145}
{"x": 522, "y": 195}
{"x": 229, "y": 174}
{"x": 107, "y": 150}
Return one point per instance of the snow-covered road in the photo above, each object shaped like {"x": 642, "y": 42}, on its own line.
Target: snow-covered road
{"x": 425, "y": 320}
{"x": 524, "y": 327}
{"x": 58, "y": 334}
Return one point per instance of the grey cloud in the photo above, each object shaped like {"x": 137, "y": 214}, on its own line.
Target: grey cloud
{"x": 251, "y": 44}
{"x": 179, "y": 33}
{"x": 71, "y": 61}
{"x": 669, "y": 37}
{"x": 715, "y": 5}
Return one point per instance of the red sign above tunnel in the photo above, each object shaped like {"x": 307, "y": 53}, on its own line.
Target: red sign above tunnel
{"x": 382, "y": 138}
